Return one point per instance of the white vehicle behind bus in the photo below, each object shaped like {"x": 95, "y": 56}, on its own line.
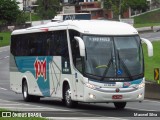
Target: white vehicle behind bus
{"x": 79, "y": 61}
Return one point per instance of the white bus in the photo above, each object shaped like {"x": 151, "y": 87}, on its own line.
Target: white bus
{"x": 79, "y": 61}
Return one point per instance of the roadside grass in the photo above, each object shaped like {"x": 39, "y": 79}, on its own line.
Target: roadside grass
{"x": 148, "y": 19}
{"x": 151, "y": 62}
{"x": 18, "y": 118}
{"x": 6, "y": 38}
{"x": 146, "y": 25}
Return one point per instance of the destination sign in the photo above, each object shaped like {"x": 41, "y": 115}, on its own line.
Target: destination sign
{"x": 77, "y": 17}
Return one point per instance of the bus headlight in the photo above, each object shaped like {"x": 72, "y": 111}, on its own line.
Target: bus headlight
{"x": 141, "y": 85}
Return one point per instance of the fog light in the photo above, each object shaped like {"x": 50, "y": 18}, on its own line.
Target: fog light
{"x": 92, "y": 96}
{"x": 140, "y": 95}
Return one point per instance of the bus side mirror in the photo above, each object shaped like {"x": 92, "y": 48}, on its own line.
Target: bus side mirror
{"x": 81, "y": 46}
{"x": 149, "y": 46}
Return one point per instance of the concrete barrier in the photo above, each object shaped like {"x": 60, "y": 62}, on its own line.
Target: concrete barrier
{"x": 156, "y": 28}
{"x": 147, "y": 29}
{"x": 152, "y": 90}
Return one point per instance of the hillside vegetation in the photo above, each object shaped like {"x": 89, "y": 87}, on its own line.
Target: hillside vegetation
{"x": 148, "y": 19}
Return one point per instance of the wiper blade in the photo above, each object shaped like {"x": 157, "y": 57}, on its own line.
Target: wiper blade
{"x": 106, "y": 70}
{"x": 124, "y": 66}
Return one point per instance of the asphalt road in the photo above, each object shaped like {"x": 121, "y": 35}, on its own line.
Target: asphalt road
{"x": 54, "y": 108}
{"x": 152, "y": 36}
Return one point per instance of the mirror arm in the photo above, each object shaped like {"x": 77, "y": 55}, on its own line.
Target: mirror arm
{"x": 81, "y": 45}
{"x": 149, "y": 46}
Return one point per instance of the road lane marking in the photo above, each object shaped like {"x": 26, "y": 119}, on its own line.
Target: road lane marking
{"x": 3, "y": 51}
{"x": 12, "y": 104}
{"x": 48, "y": 108}
{"x": 138, "y": 109}
{"x": 152, "y": 101}
{"x": 4, "y": 57}
{"x": 102, "y": 116}
{"x": 32, "y": 105}
{"x": 85, "y": 118}
{"x": 3, "y": 88}
{"x": 23, "y": 108}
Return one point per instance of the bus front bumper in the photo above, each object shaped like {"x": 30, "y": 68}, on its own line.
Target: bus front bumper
{"x": 91, "y": 95}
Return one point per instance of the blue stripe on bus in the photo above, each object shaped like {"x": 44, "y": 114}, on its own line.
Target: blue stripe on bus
{"x": 134, "y": 82}
{"x": 28, "y": 63}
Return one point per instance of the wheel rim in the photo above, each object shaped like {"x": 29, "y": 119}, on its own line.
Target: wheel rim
{"x": 68, "y": 96}
{"x": 25, "y": 91}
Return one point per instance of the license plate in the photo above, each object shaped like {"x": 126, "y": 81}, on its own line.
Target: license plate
{"x": 117, "y": 97}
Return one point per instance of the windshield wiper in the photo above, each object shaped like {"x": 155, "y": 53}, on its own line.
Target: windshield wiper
{"x": 124, "y": 66}
{"x": 108, "y": 66}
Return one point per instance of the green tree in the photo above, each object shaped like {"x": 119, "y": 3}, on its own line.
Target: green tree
{"x": 119, "y": 6}
{"x": 9, "y": 11}
{"x": 21, "y": 18}
{"x": 47, "y": 9}
{"x": 138, "y": 4}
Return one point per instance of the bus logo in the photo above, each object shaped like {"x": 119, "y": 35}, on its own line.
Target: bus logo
{"x": 40, "y": 68}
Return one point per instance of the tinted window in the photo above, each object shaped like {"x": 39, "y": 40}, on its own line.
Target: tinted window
{"x": 40, "y": 44}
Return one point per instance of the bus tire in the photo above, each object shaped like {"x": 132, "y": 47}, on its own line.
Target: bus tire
{"x": 26, "y": 96}
{"x": 120, "y": 105}
{"x": 67, "y": 98}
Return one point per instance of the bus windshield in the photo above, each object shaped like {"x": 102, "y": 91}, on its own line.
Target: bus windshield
{"x": 113, "y": 58}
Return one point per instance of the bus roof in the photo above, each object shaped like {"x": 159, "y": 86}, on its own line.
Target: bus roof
{"x": 98, "y": 27}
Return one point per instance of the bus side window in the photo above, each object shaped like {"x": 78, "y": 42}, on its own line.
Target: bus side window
{"x": 58, "y": 45}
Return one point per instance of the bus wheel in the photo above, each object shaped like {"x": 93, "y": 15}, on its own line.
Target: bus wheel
{"x": 67, "y": 98}
{"x": 120, "y": 105}
{"x": 26, "y": 96}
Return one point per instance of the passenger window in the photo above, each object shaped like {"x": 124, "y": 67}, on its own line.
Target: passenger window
{"x": 40, "y": 44}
